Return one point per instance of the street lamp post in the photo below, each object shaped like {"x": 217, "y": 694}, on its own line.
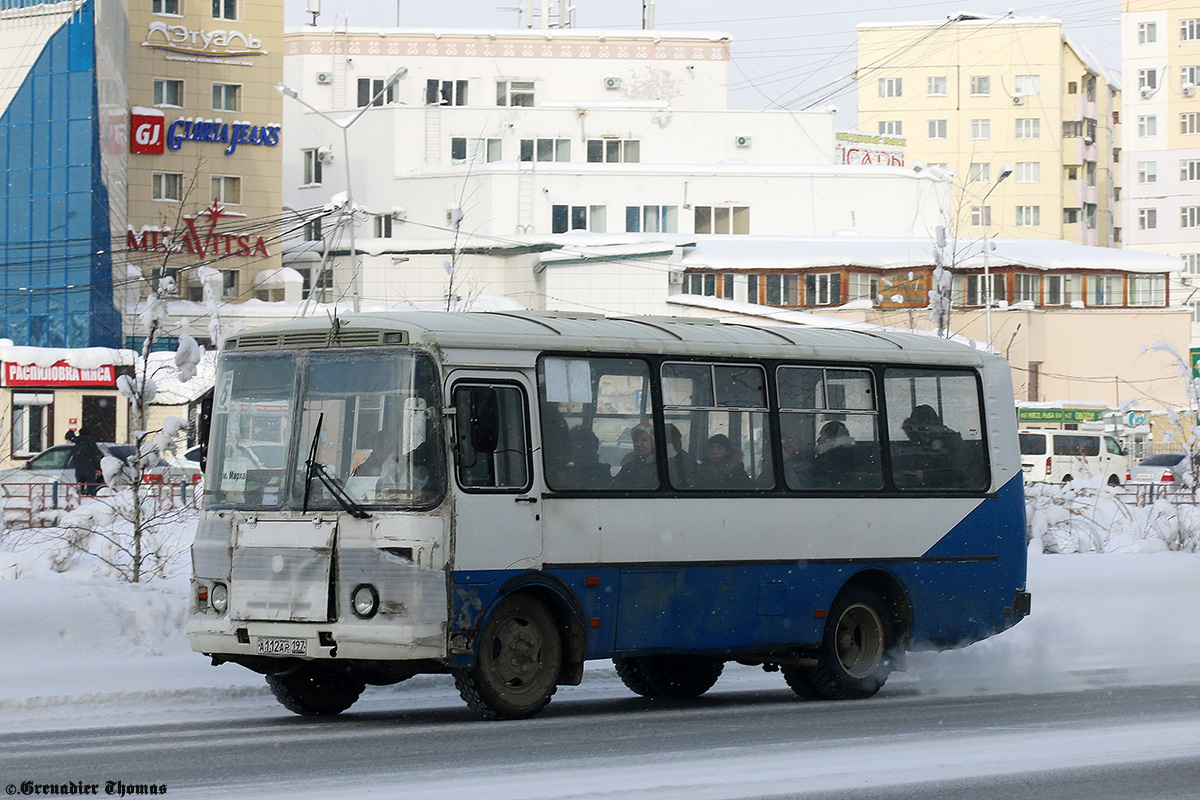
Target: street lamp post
{"x": 1005, "y": 171}
{"x": 345, "y": 124}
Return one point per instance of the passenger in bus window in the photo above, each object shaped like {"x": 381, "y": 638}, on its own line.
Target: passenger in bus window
{"x": 934, "y": 454}
{"x": 797, "y": 458}
{"x": 638, "y": 469}
{"x": 834, "y": 460}
{"x": 677, "y": 458}
{"x": 585, "y": 469}
{"x": 377, "y": 452}
{"x": 721, "y": 467}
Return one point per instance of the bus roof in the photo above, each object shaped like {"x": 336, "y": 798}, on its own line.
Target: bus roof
{"x": 567, "y": 331}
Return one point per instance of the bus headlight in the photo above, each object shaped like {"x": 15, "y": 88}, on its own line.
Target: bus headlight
{"x": 365, "y": 601}
{"x": 219, "y": 597}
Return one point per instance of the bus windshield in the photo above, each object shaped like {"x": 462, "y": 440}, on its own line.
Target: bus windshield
{"x": 370, "y": 418}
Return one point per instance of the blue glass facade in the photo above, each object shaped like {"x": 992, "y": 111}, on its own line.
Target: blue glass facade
{"x": 56, "y": 274}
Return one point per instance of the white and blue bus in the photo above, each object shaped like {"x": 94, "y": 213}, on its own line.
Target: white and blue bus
{"x": 504, "y": 496}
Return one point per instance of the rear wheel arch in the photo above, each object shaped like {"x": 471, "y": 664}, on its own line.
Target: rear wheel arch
{"x": 888, "y": 587}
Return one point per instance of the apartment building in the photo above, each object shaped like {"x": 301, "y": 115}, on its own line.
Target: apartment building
{"x": 973, "y": 94}
{"x": 1161, "y": 138}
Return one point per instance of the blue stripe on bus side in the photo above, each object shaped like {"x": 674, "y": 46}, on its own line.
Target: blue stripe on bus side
{"x": 958, "y": 591}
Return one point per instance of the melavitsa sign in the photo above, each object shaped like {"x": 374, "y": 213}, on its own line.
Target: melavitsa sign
{"x": 196, "y": 240}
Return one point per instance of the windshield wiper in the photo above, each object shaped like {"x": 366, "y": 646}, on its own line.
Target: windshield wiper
{"x": 314, "y": 467}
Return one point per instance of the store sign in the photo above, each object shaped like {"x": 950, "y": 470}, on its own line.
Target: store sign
{"x": 871, "y": 149}
{"x": 187, "y": 44}
{"x": 195, "y": 240}
{"x": 1060, "y": 414}
{"x": 60, "y": 374}
{"x": 148, "y": 134}
{"x": 215, "y": 130}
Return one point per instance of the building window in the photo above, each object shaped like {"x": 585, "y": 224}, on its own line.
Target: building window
{"x": 740, "y": 288}
{"x": 166, "y": 281}
{"x": 981, "y": 85}
{"x": 1073, "y": 129}
{"x": 1189, "y": 124}
{"x": 1089, "y": 172}
{"x": 981, "y": 216}
{"x": 1147, "y": 219}
{"x": 1089, "y": 216}
{"x": 229, "y": 284}
{"x": 722, "y": 219}
{"x": 936, "y": 86}
{"x": 823, "y": 289}
{"x": 968, "y": 290}
{"x": 226, "y": 97}
{"x": 782, "y": 290}
{"x": 1189, "y": 30}
{"x": 312, "y": 166}
{"x": 937, "y": 129}
{"x": 1189, "y": 170}
{"x": 545, "y": 149}
{"x": 1027, "y": 288}
{"x": 514, "y": 93}
{"x": 1072, "y": 87}
{"x": 382, "y": 226}
{"x": 652, "y": 219}
{"x": 31, "y": 422}
{"x": 1147, "y": 290}
{"x": 1147, "y": 172}
{"x": 1147, "y": 79}
{"x": 1189, "y": 217}
{"x": 445, "y": 93}
{"x": 981, "y": 129}
{"x": 227, "y": 189}
{"x": 1147, "y": 32}
{"x": 1029, "y": 128}
{"x": 701, "y": 283}
{"x": 891, "y": 127}
{"x": 166, "y": 186}
{"x": 565, "y": 218}
{"x": 1191, "y": 263}
{"x": 1189, "y": 76}
{"x": 863, "y": 286}
{"x": 371, "y": 92}
{"x": 168, "y": 92}
{"x": 318, "y": 282}
{"x": 1029, "y": 216}
{"x": 476, "y": 151}
{"x": 612, "y": 151}
{"x": 891, "y": 87}
{"x": 1090, "y": 89}
{"x": 1028, "y": 172}
{"x": 1061, "y": 290}
{"x": 311, "y": 232}
{"x": 1148, "y": 125}
{"x": 1105, "y": 290}
{"x": 165, "y": 7}
{"x": 1029, "y": 85}
{"x": 1072, "y": 172}
{"x": 1070, "y": 216}
{"x": 225, "y": 9}
{"x": 979, "y": 173}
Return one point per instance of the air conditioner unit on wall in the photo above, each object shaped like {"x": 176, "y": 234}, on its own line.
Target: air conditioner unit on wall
{"x": 1147, "y": 91}
{"x": 1018, "y": 99}
{"x": 324, "y": 155}
{"x": 743, "y": 141}
{"x": 1189, "y": 89}
{"x": 612, "y": 83}
{"x": 324, "y": 77}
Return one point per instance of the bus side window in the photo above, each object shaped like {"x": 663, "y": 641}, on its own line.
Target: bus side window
{"x": 830, "y": 428}
{"x": 936, "y": 429}
{"x": 491, "y": 449}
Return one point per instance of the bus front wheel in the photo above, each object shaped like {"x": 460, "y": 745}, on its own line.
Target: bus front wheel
{"x": 853, "y": 662}
{"x": 517, "y": 663}
{"x": 316, "y": 690}
{"x": 671, "y": 676}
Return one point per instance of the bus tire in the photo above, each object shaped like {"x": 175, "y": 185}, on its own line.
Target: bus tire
{"x": 517, "y": 663}
{"x": 853, "y": 662}
{"x": 1114, "y": 480}
{"x": 670, "y": 676}
{"x": 316, "y": 690}
{"x": 801, "y": 681}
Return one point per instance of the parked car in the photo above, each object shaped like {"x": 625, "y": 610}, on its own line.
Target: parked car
{"x": 54, "y": 465}
{"x": 1059, "y": 456}
{"x": 1163, "y": 468}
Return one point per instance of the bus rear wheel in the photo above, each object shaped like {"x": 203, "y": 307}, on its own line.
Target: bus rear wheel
{"x": 853, "y": 661}
{"x": 316, "y": 690}
{"x": 673, "y": 676}
{"x": 517, "y": 663}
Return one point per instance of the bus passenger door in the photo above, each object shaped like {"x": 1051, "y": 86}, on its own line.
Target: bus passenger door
{"x": 496, "y": 508}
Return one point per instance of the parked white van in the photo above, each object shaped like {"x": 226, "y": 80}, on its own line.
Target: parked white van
{"x": 1059, "y": 456}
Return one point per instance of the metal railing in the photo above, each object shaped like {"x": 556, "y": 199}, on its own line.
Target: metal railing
{"x": 39, "y": 505}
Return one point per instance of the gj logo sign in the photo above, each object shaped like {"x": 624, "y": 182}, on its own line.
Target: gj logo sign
{"x": 148, "y": 133}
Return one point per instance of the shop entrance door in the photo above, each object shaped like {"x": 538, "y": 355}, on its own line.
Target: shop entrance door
{"x": 100, "y": 417}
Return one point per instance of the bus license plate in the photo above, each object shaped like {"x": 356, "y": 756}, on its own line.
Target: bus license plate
{"x": 282, "y": 647}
